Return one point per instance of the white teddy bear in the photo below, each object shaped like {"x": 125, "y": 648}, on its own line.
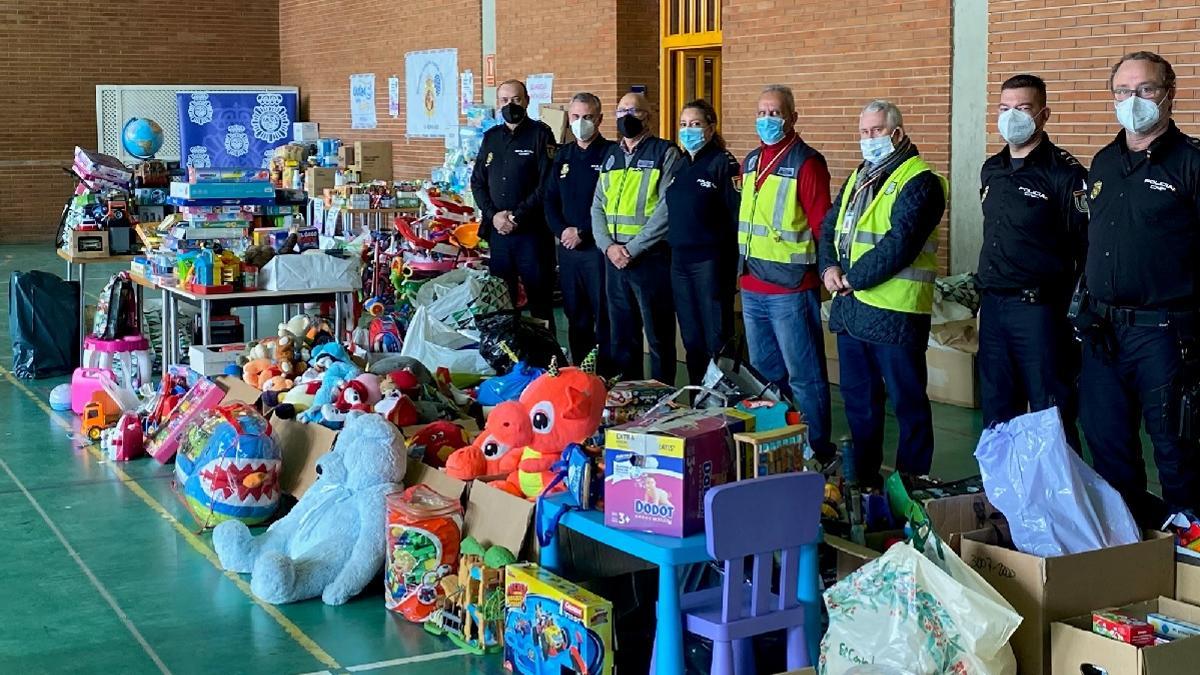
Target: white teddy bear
{"x": 332, "y": 543}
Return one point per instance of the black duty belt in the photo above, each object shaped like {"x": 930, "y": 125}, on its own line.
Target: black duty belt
{"x": 1147, "y": 318}
{"x": 1032, "y": 296}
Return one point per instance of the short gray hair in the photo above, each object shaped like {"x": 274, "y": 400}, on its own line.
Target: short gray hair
{"x": 889, "y": 109}
{"x": 588, "y": 98}
{"x": 784, "y": 92}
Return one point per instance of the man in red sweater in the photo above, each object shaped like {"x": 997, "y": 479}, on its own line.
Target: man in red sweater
{"x": 785, "y": 195}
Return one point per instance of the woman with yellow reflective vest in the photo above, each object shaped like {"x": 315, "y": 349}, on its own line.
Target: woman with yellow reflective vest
{"x": 702, "y": 206}
{"x": 878, "y": 258}
{"x": 629, "y": 223}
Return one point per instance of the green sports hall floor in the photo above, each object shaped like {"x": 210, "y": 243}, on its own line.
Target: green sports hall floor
{"x": 100, "y": 571}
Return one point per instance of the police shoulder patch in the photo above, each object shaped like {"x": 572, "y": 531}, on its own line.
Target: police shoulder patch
{"x": 551, "y": 151}
{"x": 737, "y": 182}
{"x": 1080, "y": 199}
{"x": 1096, "y": 188}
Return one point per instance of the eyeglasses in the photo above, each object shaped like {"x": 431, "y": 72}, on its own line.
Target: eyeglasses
{"x": 621, "y": 112}
{"x": 1144, "y": 91}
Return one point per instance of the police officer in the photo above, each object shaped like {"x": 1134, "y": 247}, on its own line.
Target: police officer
{"x": 879, "y": 259}
{"x": 629, "y": 222}
{"x": 1142, "y": 277}
{"x": 702, "y": 207}
{"x": 514, "y": 160}
{"x": 569, "y": 193}
{"x": 1034, "y": 240}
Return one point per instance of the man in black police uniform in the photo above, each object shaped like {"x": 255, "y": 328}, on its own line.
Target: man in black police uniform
{"x": 1142, "y": 275}
{"x": 1034, "y": 240}
{"x": 514, "y": 160}
{"x": 569, "y": 193}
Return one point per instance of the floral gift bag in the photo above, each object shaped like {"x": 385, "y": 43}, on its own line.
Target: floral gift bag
{"x": 922, "y": 613}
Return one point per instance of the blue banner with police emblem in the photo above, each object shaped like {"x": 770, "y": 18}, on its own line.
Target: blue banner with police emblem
{"x": 234, "y": 129}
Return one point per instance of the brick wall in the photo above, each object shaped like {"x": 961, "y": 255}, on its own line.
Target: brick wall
{"x": 837, "y": 55}
{"x": 638, "y": 53}
{"x": 1073, "y": 47}
{"x": 576, "y": 42}
{"x": 322, "y": 43}
{"x": 56, "y": 52}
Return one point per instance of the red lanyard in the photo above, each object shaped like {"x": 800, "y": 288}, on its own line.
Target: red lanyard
{"x": 765, "y": 170}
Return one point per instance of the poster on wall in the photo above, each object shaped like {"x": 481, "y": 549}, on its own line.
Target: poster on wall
{"x": 394, "y": 96}
{"x": 431, "y": 99}
{"x": 233, "y": 130}
{"x": 362, "y": 101}
{"x": 541, "y": 92}
{"x": 468, "y": 90}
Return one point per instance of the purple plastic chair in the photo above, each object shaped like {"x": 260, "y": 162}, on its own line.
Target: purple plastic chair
{"x": 756, "y": 518}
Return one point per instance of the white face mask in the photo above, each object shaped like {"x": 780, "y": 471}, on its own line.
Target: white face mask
{"x": 876, "y": 149}
{"x": 1138, "y": 115}
{"x": 1017, "y": 126}
{"x": 583, "y": 128}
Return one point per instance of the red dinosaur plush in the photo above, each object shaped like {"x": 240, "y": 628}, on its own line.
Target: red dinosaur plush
{"x": 498, "y": 449}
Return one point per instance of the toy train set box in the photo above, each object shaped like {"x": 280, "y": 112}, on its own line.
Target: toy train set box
{"x": 552, "y": 626}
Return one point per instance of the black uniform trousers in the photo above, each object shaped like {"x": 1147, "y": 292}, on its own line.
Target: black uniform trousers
{"x": 1138, "y": 381}
{"x": 527, "y": 259}
{"x": 640, "y": 295}
{"x": 581, "y": 274}
{"x": 1028, "y": 361}
{"x": 703, "y": 297}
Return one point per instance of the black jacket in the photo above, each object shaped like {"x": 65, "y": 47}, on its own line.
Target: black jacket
{"x": 702, "y": 206}
{"x": 509, "y": 174}
{"x": 915, "y": 215}
{"x": 571, "y": 187}
{"x": 1034, "y": 221}
{"x": 1144, "y": 235}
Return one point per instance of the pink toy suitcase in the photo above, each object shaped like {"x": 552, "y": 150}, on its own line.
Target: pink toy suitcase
{"x": 84, "y": 383}
{"x": 200, "y": 399}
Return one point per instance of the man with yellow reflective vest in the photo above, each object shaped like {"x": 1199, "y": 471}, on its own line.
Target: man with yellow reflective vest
{"x": 785, "y": 196}
{"x": 878, "y": 258}
{"x": 629, "y": 223}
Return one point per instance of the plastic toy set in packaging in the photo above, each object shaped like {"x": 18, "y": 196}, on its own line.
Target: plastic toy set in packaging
{"x": 424, "y": 531}
{"x": 552, "y": 626}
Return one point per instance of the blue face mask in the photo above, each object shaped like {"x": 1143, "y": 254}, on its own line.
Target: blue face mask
{"x": 874, "y": 150}
{"x": 770, "y": 129}
{"x": 691, "y": 138}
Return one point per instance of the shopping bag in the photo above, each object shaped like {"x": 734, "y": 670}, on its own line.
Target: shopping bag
{"x": 436, "y": 345}
{"x": 729, "y": 375}
{"x": 43, "y": 320}
{"x": 1054, "y": 502}
{"x": 923, "y": 612}
{"x": 457, "y": 297}
{"x": 507, "y": 331}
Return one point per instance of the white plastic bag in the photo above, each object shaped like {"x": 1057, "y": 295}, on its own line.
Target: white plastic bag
{"x": 1054, "y": 502}
{"x": 920, "y": 614}
{"x": 436, "y": 346}
{"x": 458, "y": 296}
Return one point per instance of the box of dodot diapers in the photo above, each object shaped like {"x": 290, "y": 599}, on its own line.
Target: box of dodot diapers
{"x": 657, "y": 470}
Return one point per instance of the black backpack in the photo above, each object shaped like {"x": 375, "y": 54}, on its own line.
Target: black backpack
{"x": 117, "y": 314}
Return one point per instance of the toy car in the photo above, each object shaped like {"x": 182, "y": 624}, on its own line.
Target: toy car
{"x": 96, "y": 418}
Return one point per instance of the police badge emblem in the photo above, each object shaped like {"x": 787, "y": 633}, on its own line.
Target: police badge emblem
{"x": 1096, "y": 187}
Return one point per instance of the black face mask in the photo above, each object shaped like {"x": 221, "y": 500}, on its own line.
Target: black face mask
{"x": 630, "y": 126}
{"x": 514, "y": 113}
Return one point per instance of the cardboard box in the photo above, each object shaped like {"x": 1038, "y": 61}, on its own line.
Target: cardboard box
{"x": 373, "y": 160}
{"x": 1045, "y": 590}
{"x": 953, "y": 374}
{"x": 1075, "y": 645}
{"x": 317, "y": 179}
{"x": 300, "y": 446}
{"x": 851, "y": 556}
{"x": 88, "y": 243}
{"x": 345, "y": 156}
{"x": 305, "y": 132}
{"x": 657, "y": 471}
{"x": 210, "y": 360}
{"x": 496, "y": 518}
{"x": 555, "y": 116}
{"x": 550, "y": 623}
{"x": 1187, "y": 580}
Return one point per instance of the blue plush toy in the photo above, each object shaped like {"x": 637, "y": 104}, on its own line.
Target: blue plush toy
{"x": 335, "y": 374}
{"x": 332, "y": 543}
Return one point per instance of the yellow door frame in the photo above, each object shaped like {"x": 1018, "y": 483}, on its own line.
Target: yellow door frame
{"x": 677, "y": 41}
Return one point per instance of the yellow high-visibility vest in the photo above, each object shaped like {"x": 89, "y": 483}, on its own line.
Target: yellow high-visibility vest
{"x": 631, "y": 190}
{"x": 911, "y": 289}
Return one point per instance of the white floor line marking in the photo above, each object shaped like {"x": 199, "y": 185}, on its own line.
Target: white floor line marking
{"x": 407, "y": 661}
{"x": 137, "y": 635}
